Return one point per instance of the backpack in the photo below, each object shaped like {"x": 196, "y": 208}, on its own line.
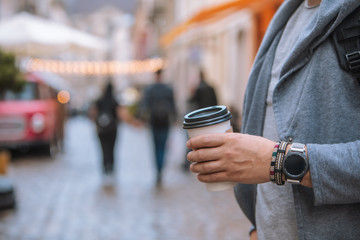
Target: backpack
{"x": 161, "y": 106}
{"x": 160, "y": 112}
{"x": 106, "y": 121}
{"x": 346, "y": 39}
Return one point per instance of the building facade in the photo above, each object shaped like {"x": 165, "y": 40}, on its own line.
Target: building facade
{"x": 217, "y": 36}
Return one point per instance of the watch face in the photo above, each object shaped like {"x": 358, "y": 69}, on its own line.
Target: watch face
{"x": 295, "y": 165}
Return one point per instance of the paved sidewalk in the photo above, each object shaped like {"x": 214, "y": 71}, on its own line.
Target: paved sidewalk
{"x": 64, "y": 199}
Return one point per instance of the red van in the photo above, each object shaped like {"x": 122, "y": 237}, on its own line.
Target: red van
{"x": 31, "y": 117}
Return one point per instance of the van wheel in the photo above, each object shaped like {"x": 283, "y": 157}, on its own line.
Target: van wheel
{"x": 52, "y": 149}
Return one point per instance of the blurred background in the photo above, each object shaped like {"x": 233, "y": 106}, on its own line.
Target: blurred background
{"x": 56, "y": 56}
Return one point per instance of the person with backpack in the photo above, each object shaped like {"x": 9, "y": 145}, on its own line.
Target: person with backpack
{"x": 106, "y": 110}
{"x": 297, "y": 158}
{"x": 158, "y": 102}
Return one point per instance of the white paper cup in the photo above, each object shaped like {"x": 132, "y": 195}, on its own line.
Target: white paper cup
{"x": 215, "y": 119}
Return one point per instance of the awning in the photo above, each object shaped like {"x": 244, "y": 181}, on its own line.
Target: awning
{"x": 29, "y": 35}
{"x": 214, "y": 13}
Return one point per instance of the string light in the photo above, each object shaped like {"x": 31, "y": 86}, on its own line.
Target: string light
{"x": 96, "y": 67}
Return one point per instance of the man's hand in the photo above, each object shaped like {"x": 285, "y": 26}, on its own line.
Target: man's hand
{"x": 253, "y": 235}
{"x": 231, "y": 157}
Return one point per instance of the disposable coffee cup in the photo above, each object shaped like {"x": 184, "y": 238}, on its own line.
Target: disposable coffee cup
{"x": 214, "y": 119}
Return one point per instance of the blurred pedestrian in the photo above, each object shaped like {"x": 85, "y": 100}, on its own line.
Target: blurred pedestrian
{"x": 298, "y": 160}
{"x": 203, "y": 96}
{"x": 105, "y": 113}
{"x": 158, "y": 102}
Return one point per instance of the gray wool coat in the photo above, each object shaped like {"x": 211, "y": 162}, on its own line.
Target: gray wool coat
{"x": 316, "y": 102}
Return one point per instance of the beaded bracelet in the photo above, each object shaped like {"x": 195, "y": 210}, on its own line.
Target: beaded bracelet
{"x": 281, "y": 161}
{"x": 278, "y": 163}
{"x": 272, "y": 164}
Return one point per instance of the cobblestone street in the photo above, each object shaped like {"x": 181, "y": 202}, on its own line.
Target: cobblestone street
{"x": 64, "y": 199}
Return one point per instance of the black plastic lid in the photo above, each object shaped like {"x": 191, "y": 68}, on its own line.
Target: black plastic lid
{"x": 206, "y": 116}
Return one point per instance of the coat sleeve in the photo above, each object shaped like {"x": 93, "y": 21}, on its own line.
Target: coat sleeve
{"x": 245, "y": 195}
{"x": 335, "y": 172}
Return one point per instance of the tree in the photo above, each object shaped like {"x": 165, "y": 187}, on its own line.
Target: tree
{"x": 11, "y": 78}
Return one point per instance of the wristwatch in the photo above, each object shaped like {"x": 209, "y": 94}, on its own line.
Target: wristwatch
{"x": 295, "y": 164}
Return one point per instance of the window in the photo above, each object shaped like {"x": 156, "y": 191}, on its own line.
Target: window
{"x": 29, "y": 92}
